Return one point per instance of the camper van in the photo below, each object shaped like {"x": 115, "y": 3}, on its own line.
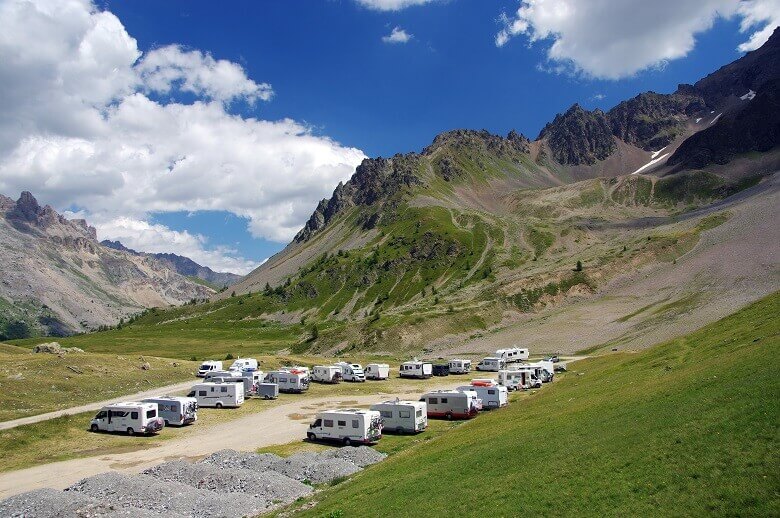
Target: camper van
{"x": 176, "y": 411}
{"x": 348, "y": 426}
{"x": 513, "y": 354}
{"x": 244, "y": 364}
{"x": 377, "y": 371}
{"x": 403, "y": 416}
{"x": 492, "y": 364}
{"x": 452, "y": 404}
{"x": 548, "y": 370}
{"x": 416, "y": 369}
{"x": 218, "y": 395}
{"x": 519, "y": 378}
{"x": 352, "y": 372}
{"x": 209, "y": 366}
{"x": 491, "y": 394}
{"x": 130, "y": 418}
{"x": 458, "y": 366}
{"x": 288, "y": 381}
{"x": 298, "y": 369}
{"x": 326, "y": 373}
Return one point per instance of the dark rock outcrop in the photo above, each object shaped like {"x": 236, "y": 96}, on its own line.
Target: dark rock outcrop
{"x": 579, "y": 136}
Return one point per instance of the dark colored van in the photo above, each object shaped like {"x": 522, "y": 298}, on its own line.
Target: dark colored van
{"x": 441, "y": 370}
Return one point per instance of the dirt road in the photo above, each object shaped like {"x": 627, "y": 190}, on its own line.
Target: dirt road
{"x": 169, "y": 390}
{"x": 280, "y": 424}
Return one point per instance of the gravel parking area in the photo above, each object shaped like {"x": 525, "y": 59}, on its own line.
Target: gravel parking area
{"x": 50, "y": 503}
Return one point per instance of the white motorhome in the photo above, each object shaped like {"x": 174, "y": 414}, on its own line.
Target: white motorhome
{"x": 491, "y": 364}
{"x": 548, "y": 370}
{"x": 248, "y": 382}
{"x": 491, "y": 394}
{"x": 288, "y": 381}
{"x": 377, "y": 371}
{"x": 347, "y": 426}
{"x": 458, "y": 366}
{"x": 452, "y": 404}
{"x": 403, "y": 416}
{"x": 218, "y": 395}
{"x": 326, "y": 373}
{"x": 208, "y": 366}
{"x": 244, "y": 364}
{"x": 416, "y": 369}
{"x": 519, "y": 378}
{"x": 174, "y": 410}
{"x": 130, "y": 417}
{"x": 513, "y": 354}
{"x": 298, "y": 369}
{"x": 209, "y": 376}
{"x": 352, "y": 372}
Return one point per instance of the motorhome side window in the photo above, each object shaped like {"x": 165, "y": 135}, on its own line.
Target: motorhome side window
{"x": 201, "y": 392}
{"x": 444, "y": 400}
{"x": 404, "y": 413}
{"x": 101, "y": 415}
{"x": 223, "y": 389}
{"x": 329, "y": 423}
{"x": 282, "y": 380}
{"x": 433, "y": 400}
{"x": 419, "y": 413}
{"x": 134, "y": 415}
{"x": 491, "y": 392}
{"x": 150, "y": 414}
{"x": 355, "y": 423}
{"x": 342, "y": 423}
{"x": 383, "y": 413}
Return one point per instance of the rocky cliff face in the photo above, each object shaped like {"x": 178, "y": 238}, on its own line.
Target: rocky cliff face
{"x": 579, "y": 136}
{"x": 56, "y": 278}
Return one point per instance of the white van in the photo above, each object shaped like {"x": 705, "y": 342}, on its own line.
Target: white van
{"x": 403, "y": 416}
{"x": 288, "y": 381}
{"x": 347, "y": 426}
{"x": 491, "y": 394}
{"x": 218, "y": 395}
{"x": 416, "y": 369}
{"x": 519, "y": 378}
{"x": 513, "y": 354}
{"x": 377, "y": 371}
{"x": 458, "y": 366}
{"x": 452, "y": 404}
{"x": 131, "y": 418}
{"x": 352, "y": 372}
{"x": 326, "y": 374}
{"x": 175, "y": 410}
{"x": 491, "y": 364}
{"x": 244, "y": 364}
{"x": 208, "y": 366}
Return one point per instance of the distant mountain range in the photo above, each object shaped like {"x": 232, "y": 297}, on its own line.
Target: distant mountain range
{"x": 183, "y": 265}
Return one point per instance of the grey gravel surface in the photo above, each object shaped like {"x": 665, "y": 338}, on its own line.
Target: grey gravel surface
{"x": 51, "y": 503}
{"x": 241, "y": 459}
{"x": 269, "y": 486}
{"x": 146, "y": 492}
{"x": 362, "y": 455}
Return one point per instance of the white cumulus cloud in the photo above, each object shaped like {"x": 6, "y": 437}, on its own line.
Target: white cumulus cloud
{"x": 612, "y": 40}
{"x": 392, "y": 5}
{"x": 79, "y": 126}
{"x": 397, "y": 35}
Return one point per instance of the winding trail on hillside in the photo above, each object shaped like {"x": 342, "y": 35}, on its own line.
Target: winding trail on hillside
{"x": 94, "y": 407}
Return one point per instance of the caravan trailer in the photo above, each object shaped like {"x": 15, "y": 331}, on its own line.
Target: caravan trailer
{"x": 513, "y": 354}
{"x": 348, "y": 426}
{"x": 403, "y": 416}
{"x": 416, "y": 369}
{"x": 377, "y": 371}
{"x": 352, "y": 372}
{"x": 458, "y": 366}
{"x": 175, "y": 410}
{"x": 208, "y": 366}
{"x": 218, "y": 395}
{"x": 266, "y": 390}
{"x": 452, "y": 404}
{"x": 130, "y": 417}
{"x": 491, "y": 364}
{"x": 288, "y": 381}
{"x": 326, "y": 374}
{"x": 491, "y": 394}
{"x": 244, "y": 364}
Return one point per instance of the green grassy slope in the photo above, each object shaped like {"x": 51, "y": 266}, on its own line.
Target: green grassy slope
{"x": 689, "y": 427}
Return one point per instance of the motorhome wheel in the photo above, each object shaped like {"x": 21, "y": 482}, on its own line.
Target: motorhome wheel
{"x": 219, "y": 405}
{"x": 311, "y": 436}
{"x": 448, "y": 416}
{"x": 167, "y": 423}
{"x": 94, "y": 428}
{"x": 347, "y": 441}
{"x": 130, "y": 431}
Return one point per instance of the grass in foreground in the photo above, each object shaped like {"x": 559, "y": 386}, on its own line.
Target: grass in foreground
{"x": 689, "y": 427}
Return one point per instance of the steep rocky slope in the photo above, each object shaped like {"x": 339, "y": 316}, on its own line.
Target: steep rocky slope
{"x": 56, "y": 278}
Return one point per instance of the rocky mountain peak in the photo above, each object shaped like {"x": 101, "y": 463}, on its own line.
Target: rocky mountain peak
{"x": 579, "y": 136}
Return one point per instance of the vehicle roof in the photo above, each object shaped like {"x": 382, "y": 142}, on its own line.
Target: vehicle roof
{"x": 127, "y": 403}
{"x": 402, "y": 402}
{"x": 349, "y": 411}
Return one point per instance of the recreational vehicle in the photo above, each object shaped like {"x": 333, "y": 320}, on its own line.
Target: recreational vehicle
{"x": 441, "y": 370}
{"x": 326, "y": 373}
{"x": 211, "y": 375}
{"x": 458, "y": 366}
{"x": 288, "y": 381}
{"x": 266, "y": 390}
{"x": 218, "y": 395}
{"x": 352, "y": 372}
{"x": 298, "y": 369}
{"x": 130, "y": 417}
{"x": 209, "y": 366}
{"x": 452, "y": 404}
{"x": 548, "y": 370}
{"x": 347, "y": 426}
{"x": 519, "y": 378}
{"x": 492, "y": 364}
{"x": 513, "y": 354}
{"x": 403, "y": 416}
{"x": 491, "y": 394}
{"x": 244, "y": 364}
{"x": 377, "y": 371}
{"x": 175, "y": 410}
{"x": 416, "y": 369}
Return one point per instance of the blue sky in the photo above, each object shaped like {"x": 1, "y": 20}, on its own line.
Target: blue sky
{"x": 338, "y": 86}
